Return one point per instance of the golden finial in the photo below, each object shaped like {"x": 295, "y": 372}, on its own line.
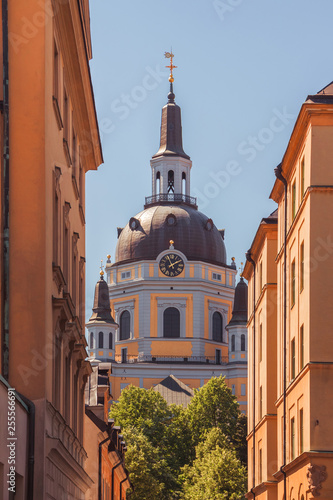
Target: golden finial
{"x": 171, "y": 243}
{"x": 102, "y": 270}
{"x": 241, "y": 269}
{"x": 109, "y": 256}
{"x": 170, "y": 55}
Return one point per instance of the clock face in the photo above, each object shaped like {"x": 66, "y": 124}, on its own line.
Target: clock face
{"x": 171, "y": 265}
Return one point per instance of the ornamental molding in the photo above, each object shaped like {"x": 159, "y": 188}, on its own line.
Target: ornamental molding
{"x": 171, "y": 304}
{"x": 316, "y": 474}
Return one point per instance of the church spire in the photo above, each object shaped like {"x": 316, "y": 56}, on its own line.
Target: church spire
{"x": 171, "y": 142}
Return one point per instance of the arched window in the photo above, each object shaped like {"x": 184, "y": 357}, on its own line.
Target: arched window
{"x": 91, "y": 340}
{"x": 171, "y": 323}
{"x": 125, "y": 325}
{"x": 158, "y": 183}
{"x": 171, "y": 181}
{"x": 183, "y": 183}
{"x": 217, "y": 327}
{"x": 110, "y": 340}
{"x": 100, "y": 340}
{"x": 232, "y": 343}
{"x": 243, "y": 342}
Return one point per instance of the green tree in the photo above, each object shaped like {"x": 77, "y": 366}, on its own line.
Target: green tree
{"x": 147, "y": 469}
{"x": 142, "y": 409}
{"x": 216, "y": 473}
{"x": 213, "y": 405}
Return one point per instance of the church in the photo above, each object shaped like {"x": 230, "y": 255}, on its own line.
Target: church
{"x": 168, "y": 304}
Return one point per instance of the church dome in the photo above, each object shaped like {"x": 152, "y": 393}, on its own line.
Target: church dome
{"x": 149, "y": 233}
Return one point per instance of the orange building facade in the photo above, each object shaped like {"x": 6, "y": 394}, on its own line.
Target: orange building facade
{"x": 49, "y": 135}
{"x": 290, "y": 398}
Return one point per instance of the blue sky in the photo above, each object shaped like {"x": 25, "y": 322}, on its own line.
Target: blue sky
{"x": 244, "y": 69}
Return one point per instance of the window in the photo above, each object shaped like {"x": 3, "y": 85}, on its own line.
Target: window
{"x": 243, "y": 389}
{"x": 293, "y": 359}
{"x": 303, "y": 176}
{"x": 217, "y": 327}
{"x": 125, "y": 275}
{"x": 260, "y": 402}
{"x": 56, "y": 235}
{"x": 183, "y": 183}
{"x": 171, "y": 181}
{"x": 242, "y": 342}
{"x": 301, "y": 431}
{"x": 218, "y": 356}
{"x": 260, "y": 277}
{"x": 100, "y": 340}
{"x": 124, "y": 356}
{"x": 260, "y": 342}
{"x": 125, "y": 324}
{"x": 158, "y": 183}
{"x": 171, "y": 323}
{"x": 260, "y": 465}
{"x": 301, "y": 343}
{"x": 110, "y": 340}
{"x": 216, "y": 276}
{"x": 66, "y": 117}
{"x": 293, "y": 200}
{"x": 56, "y": 72}
{"x": 74, "y": 152}
{"x": 233, "y": 389}
{"x": 293, "y": 283}
{"x": 301, "y": 273}
{"x": 292, "y": 438}
{"x": 91, "y": 340}
{"x": 232, "y": 343}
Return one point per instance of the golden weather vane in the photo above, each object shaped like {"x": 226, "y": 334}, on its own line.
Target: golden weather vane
{"x": 170, "y": 55}
{"x": 102, "y": 268}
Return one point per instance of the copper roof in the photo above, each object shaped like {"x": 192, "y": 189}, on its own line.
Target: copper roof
{"x": 239, "y": 311}
{"x": 171, "y": 143}
{"x": 101, "y": 309}
{"x": 174, "y": 391}
{"x": 152, "y": 234}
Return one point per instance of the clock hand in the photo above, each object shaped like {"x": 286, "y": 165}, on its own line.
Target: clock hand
{"x": 176, "y": 262}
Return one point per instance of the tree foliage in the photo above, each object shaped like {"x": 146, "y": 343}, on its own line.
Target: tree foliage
{"x": 180, "y": 452}
{"x": 216, "y": 473}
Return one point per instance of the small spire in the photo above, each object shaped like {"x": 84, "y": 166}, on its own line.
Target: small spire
{"x": 101, "y": 269}
{"x": 171, "y": 243}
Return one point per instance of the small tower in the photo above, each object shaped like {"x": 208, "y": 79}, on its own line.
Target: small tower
{"x": 236, "y": 328}
{"x": 101, "y": 325}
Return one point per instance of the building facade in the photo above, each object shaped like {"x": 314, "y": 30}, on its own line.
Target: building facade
{"x": 290, "y": 431}
{"x": 49, "y": 136}
{"x": 170, "y": 287}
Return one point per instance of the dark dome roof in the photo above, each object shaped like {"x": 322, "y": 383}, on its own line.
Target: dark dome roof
{"x": 239, "y": 311}
{"x": 193, "y": 233}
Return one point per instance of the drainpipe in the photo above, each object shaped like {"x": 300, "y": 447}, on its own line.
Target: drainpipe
{"x": 31, "y": 445}
{"x": 109, "y": 430}
{"x": 112, "y": 477}
{"x": 5, "y": 198}
{"x": 249, "y": 259}
{"x": 278, "y": 173}
{"x": 121, "y": 486}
